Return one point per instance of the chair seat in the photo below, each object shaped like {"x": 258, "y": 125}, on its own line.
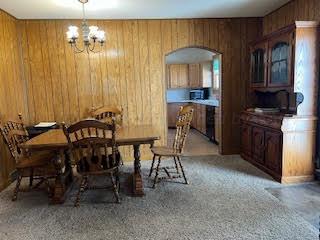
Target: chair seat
{"x": 165, "y": 151}
{"x": 38, "y": 159}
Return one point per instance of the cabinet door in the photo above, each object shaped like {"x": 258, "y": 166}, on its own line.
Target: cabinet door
{"x": 246, "y": 137}
{"x": 280, "y": 61}
{"x": 258, "y": 144}
{"x": 217, "y": 124}
{"x": 183, "y": 76}
{"x": 194, "y": 72}
{"x": 195, "y": 113}
{"x": 174, "y": 75}
{"x": 203, "y": 119}
{"x": 258, "y": 65}
{"x": 172, "y": 111}
{"x": 273, "y": 150}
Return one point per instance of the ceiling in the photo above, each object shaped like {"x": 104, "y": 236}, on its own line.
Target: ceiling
{"x": 139, "y": 9}
{"x": 189, "y": 55}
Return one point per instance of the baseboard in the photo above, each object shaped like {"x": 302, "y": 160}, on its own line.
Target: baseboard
{"x": 297, "y": 179}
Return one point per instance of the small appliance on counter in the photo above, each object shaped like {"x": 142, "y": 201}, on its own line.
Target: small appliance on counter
{"x": 199, "y": 94}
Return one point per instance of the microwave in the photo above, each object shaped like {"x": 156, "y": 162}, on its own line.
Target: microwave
{"x": 199, "y": 94}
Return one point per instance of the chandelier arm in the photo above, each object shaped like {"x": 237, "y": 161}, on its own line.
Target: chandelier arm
{"x": 76, "y": 49}
{"x": 94, "y": 46}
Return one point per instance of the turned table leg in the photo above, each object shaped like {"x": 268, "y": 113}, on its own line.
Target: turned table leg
{"x": 59, "y": 188}
{"x": 137, "y": 178}
{"x": 63, "y": 179}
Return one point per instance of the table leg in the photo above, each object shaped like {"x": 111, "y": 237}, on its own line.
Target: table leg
{"x": 63, "y": 179}
{"x": 137, "y": 178}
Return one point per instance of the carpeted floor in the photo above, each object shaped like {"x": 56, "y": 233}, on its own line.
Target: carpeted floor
{"x": 226, "y": 199}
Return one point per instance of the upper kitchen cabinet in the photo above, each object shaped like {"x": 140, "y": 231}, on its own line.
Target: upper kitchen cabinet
{"x": 194, "y": 75}
{"x": 200, "y": 75}
{"x": 272, "y": 60}
{"x": 178, "y": 75}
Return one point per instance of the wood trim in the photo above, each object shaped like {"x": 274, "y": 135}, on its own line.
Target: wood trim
{"x": 297, "y": 179}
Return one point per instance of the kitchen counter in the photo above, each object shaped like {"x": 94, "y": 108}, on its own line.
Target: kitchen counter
{"x": 209, "y": 102}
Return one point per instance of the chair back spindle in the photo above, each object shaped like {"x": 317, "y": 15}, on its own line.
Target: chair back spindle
{"x": 105, "y": 114}
{"x": 90, "y": 142}
{"x": 182, "y": 128}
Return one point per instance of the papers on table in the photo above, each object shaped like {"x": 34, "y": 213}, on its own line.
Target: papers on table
{"x": 45, "y": 124}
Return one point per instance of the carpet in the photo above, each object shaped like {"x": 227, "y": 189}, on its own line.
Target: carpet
{"x": 226, "y": 199}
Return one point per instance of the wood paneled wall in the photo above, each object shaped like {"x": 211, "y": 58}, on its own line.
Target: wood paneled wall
{"x": 129, "y": 72}
{"x": 295, "y": 10}
{"x": 12, "y": 97}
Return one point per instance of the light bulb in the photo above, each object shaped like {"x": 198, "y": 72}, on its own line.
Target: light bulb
{"x": 101, "y": 36}
{"x": 73, "y": 32}
{"x": 93, "y": 31}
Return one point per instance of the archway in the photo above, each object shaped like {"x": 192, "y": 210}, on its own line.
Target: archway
{"x": 194, "y": 76}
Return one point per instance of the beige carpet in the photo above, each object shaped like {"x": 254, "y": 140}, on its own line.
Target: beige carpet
{"x": 225, "y": 200}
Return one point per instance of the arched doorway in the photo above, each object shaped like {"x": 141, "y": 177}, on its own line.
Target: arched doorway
{"x": 193, "y": 76}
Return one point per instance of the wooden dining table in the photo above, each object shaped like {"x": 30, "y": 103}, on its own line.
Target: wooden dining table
{"x": 55, "y": 140}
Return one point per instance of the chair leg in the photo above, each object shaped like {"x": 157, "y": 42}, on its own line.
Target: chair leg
{"x": 46, "y": 181}
{"x": 182, "y": 170}
{"x": 31, "y": 177}
{"x": 16, "y": 190}
{"x": 175, "y": 162}
{"x": 115, "y": 188}
{"x": 81, "y": 190}
{"x": 157, "y": 173}
{"x": 152, "y": 164}
{"x": 118, "y": 181}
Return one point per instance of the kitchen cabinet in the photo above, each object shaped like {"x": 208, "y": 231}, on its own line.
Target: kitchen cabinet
{"x": 217, "y": 124}
{"x": 178, "y": 75}
{"x": 200, "y": 75}
{"x": 194, "y": 75}
{"x": 172, "y": 112}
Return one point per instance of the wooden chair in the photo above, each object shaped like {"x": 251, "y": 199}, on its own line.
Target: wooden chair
{"x": 184, "y": 119}
{"x": 89, "y": 145}
{"x": 105, "y": 114}
{"x": 35, "y": 166}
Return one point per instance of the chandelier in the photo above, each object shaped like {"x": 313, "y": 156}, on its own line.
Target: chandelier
{"x": 91, "y": 35}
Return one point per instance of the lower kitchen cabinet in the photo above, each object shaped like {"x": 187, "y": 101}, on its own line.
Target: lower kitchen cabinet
{"x": 172, "y": 112}
{"x": 204, "y": 118}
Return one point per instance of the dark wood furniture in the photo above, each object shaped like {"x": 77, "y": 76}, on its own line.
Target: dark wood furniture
{"x": 272, "y": 59}
{"x": 184, "y": 118}
{"x": 92, "y": 145}
{"x": 283, "y": 144}
{"x": 56, "y": 140}
{"x": 35, "y": 166}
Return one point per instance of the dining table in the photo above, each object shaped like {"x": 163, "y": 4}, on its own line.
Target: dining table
{"x": 55, "y": 140}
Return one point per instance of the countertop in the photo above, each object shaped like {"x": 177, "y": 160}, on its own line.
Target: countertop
{"x": 209, "y": 102}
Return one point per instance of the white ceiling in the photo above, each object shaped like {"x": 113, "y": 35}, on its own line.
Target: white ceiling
{"x": 139, "y": 9}
{"x": 189, "y": 55}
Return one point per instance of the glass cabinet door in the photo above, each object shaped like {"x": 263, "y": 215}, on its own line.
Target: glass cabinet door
{"x": 258, "y": 66}
{"x": 280, "y": 61}
{"x": 279, "y": 64}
